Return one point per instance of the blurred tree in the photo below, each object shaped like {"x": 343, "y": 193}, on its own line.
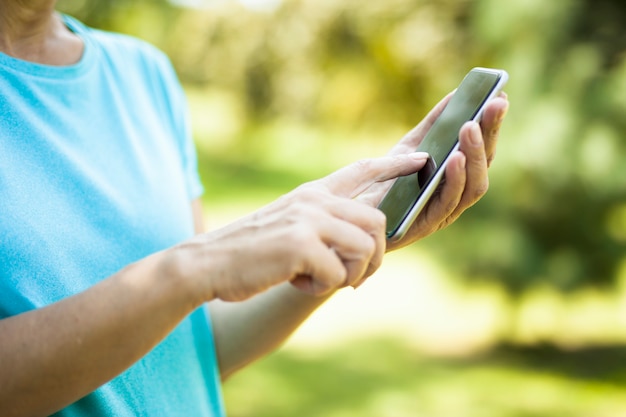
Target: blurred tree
{"x": 566, "y": 184}
{"x": 556, "y": 213}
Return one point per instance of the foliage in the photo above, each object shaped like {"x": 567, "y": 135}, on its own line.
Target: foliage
{"x": 281, "y": 97}
{"x": 561, "y": 203}
{"x": 556, "y": 212}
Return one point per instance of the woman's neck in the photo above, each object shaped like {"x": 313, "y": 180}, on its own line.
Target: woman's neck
{"x": 37, "y": 33}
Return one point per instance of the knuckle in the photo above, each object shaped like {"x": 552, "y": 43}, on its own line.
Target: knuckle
{"x": 378, "y": 217}
{"x": 374, "y": 265}
{"x": 298, "y": 237}
{"x": 494, "y": 132}
{"x": 306, "y": 194}
{"x": 366, "y": 250}
{"x": 299, "y": 209}
{"x": 363, "y": 164}
{"x": 379, "y": 221}
{"x": 451, "y": 206}
{"x": 369, "y": 248}
{"x": 300, "y": 212}
{"x": 319, "y": 288}
{"x": 481, "y": 190}
{"x": 447, "y": 222}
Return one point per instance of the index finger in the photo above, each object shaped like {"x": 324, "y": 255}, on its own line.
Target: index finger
{"x": 355, "y": 178}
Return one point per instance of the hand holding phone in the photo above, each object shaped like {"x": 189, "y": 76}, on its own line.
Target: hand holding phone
{"x": 409, "y": 194}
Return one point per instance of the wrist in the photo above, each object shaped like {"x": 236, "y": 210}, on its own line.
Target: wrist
{"x": 186, "y": 272}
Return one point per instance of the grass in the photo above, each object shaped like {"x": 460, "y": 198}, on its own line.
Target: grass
{"x": 384, "y": 377}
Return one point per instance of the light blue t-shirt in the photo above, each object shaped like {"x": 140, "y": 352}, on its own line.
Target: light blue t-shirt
{"x": 97, "y": 170}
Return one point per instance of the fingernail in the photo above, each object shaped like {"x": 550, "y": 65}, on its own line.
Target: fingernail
{"x": 318, "y": 288}
{"x": 475, "y": 134}
{"x": 419, "y": 155}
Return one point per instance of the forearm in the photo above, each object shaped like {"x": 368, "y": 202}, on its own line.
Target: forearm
{"x": 248, "y": 330}
{"x": 55, "y": 355}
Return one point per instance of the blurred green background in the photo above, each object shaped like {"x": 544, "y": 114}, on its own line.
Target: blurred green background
{"x": 519, "y": 309}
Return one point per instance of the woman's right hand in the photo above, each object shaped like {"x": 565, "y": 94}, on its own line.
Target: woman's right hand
{"x": 317, "y": 237}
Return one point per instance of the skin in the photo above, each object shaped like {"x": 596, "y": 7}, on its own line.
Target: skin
{"x": 323, "y": 236}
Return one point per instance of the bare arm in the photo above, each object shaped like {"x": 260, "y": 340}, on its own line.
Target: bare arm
{"x": 251, "y": 329}
{"x": 267, "y": 319}
{"x": 55, "y": 355}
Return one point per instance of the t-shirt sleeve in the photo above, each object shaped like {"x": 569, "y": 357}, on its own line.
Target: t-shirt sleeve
{"x": 177, "y": 108}
{"x": 189, "y": 156}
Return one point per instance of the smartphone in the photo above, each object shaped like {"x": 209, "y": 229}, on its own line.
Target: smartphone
{"x": 409, "y": 194}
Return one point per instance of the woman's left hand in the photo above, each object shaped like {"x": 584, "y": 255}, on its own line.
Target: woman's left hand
{"x": 466, "y": 177}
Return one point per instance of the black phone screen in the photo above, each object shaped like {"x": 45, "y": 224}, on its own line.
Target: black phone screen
{"x": 440, "y": 140}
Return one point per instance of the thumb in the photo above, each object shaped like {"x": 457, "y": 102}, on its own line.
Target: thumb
{"x": 355, "y": 178}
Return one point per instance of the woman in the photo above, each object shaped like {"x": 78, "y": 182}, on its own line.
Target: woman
{"x": 106, "y": 276}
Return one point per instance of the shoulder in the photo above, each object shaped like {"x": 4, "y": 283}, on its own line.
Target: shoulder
{"x": 122, "y": 49}
{"x": 133, "y": 63}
